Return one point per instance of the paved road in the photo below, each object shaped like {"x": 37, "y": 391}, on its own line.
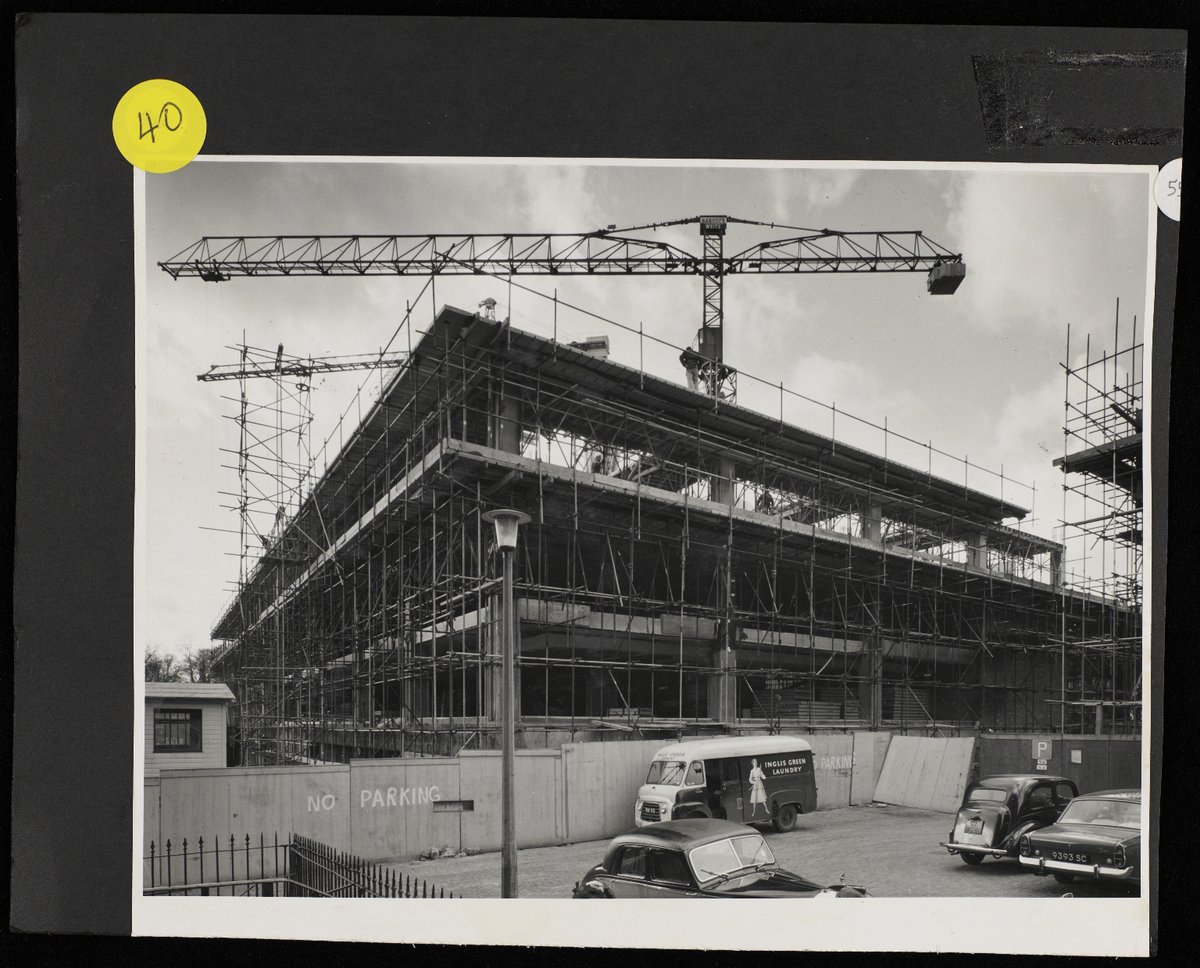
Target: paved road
{"x": 893, "y": 851}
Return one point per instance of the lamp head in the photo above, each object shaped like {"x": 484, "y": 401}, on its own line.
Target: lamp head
{"x": 506, "y": 522}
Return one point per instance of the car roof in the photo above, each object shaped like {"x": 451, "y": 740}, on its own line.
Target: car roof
{"x": 1013, "y": 781}
{"x": 1112, "y": 795}
{"x": 733, "y": 746}
{"x": 682, "y": 834}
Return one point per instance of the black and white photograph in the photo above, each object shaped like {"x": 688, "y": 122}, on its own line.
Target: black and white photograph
{"x": 610, "y": 529}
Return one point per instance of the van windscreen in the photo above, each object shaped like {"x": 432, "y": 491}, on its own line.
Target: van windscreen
{"x": 668, "y": 772}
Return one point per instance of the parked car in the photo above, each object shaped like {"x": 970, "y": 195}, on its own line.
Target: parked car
{"x": 1098, "y": 836}
{"x": 697, "y": 858}
{"x": 998, "y": 810}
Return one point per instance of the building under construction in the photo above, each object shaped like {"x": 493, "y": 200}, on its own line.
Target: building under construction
{"x": 691, "y": 565}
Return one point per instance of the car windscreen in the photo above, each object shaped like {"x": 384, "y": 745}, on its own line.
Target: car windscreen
{"x": 985, "y": 795}
{"x": 726, "y": 856}
{"x": 669, "y": 772}
{"x": 1108, "y": 813}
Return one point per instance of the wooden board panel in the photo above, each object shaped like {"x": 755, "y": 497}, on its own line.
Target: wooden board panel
{"x": 1104, "y": 762}
{"x": 930, "y": 755}
{"x": 601, "y": 784}
{"x": 320, "y": 804}
{"x": 925, "y": 772}
{"x": 897, "y": 768}
{"x": 392, "y": 807}
{"x": 833, "y": 766}
{"x": 882, "y": 742}
{"x": 955, "y": 772}
{"x": 863, "y": 771}
{"x": 481, "y": 827}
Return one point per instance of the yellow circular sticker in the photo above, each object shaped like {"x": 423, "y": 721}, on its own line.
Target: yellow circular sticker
{"x": 159, "y": 126}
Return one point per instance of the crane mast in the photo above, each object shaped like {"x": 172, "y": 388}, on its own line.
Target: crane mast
{"x": 603, "y": 252}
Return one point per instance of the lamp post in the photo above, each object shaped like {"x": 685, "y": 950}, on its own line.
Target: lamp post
{"x": 507, "y": 522}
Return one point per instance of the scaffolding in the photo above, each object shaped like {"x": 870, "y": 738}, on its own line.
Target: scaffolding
{"x": 692, "y": 566}
{"x": 274, "y": 473}
{"x": 1102, "y": 528}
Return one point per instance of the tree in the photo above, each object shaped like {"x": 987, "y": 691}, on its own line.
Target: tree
{"x": 196, "y": 665}
{"x": 161, "y": 667}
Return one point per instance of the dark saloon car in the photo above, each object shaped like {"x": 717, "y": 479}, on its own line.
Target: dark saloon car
{"x": 697, "y": 858}
{"x": 998, "y": 810}
{"x": 1099, "y": 837}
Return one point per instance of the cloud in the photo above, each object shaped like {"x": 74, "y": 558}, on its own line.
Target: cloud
{"x": 800, "y": 195}
{"x": 1040, "y": 248}
{"x": 557, "y": 198}
{"x": 863, "y": 402}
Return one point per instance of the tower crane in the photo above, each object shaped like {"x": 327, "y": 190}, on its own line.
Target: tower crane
{"x": 608, "y": 251}
{"x": 299, "y": 367}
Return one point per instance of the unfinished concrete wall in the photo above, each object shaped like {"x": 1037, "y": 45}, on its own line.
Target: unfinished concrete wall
{"x": 1093, "y": 762}
{"x": 926, "y": 772}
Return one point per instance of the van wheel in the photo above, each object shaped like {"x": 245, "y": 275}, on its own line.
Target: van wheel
{"x": 785, "y": 818}
{"x": 969, "y": 858}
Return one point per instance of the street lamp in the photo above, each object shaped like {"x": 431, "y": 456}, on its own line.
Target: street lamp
{"x": 507, "y": 522}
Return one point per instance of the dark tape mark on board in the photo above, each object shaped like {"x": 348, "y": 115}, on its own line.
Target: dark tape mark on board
{"x": 1034, "y": 98}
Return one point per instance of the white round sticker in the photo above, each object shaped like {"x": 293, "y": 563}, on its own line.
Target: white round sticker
{"x": 1168, "y": 188}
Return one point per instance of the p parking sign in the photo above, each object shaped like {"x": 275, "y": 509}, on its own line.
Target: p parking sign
{"x": 1042, "y": 750}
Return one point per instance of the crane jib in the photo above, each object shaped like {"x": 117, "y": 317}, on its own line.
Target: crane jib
{"x": 603, "y": 252}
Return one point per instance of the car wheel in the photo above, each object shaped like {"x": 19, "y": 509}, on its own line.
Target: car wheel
{"x": 971, "y": 859}
{"x": 1064, "y": 878}
{"x": 785, "y": 818}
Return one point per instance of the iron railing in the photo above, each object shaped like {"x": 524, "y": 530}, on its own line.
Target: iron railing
{"x": 295, "y": 867}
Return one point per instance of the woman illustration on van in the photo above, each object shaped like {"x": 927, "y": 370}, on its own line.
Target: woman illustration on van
{"x": 758, "y": 793}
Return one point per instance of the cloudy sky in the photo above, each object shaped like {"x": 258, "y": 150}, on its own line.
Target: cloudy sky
{"x": 976, "y": 373}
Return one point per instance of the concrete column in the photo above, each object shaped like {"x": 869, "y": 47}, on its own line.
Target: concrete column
{"x": 492, "y": 644}
{"x": 870, "y": 691}
{"x": 408, "y": 685}
{"x": 1056, "y": 568}
{"x": 505, "y": 431}
{"x": 1100, "y": 719}
{"x": 977, "y": 550}
{"x": 362, "y": 704}
{"x": 722, "y": 687}
{"x": 872, "y": 523}
{"x": 721, "y": 483}
{"x": 489, "y": 638}
{"x": 594, "y": 684}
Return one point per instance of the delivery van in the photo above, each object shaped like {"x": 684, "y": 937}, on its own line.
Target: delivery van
{"x": 747, "y": 779}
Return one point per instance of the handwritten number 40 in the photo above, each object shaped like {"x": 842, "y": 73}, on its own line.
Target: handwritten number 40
{"x": 169, "y": 117}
